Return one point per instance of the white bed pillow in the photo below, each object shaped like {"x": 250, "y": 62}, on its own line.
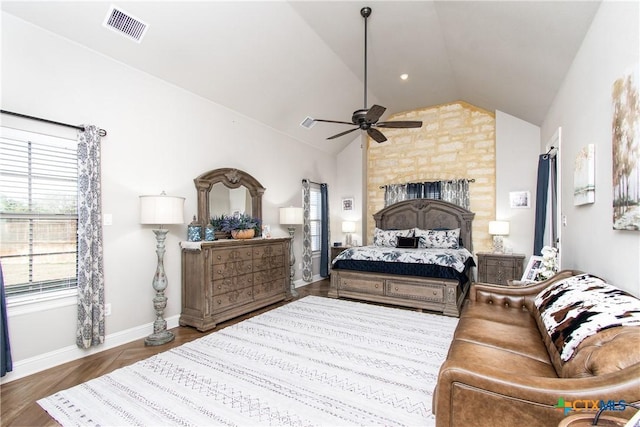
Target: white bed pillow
{"x": 438, "y": 239}
{"x": 389, "y": 237}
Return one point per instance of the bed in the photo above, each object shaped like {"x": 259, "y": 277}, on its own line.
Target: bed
{"x": 421, "y": 285}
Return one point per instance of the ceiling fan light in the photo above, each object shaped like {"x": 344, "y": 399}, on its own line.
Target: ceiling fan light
{"x": 308, "y": 123}
{"x": 404, "y": 76}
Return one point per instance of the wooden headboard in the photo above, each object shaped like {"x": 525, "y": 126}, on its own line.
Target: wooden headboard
{"x": 427, "y": 214}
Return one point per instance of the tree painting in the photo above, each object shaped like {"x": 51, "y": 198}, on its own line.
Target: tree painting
{"x": 626, "y": 153}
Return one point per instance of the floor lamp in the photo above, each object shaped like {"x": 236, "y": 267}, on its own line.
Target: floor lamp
{"x": 160, "y": 210}
{"x": 291, "y": 217}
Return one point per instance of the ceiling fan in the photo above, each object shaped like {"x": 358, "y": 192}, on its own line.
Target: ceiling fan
{"x": 367, "y": 118}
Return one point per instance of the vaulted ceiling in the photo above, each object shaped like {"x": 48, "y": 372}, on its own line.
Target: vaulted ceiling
{"x": 280, "y": 61}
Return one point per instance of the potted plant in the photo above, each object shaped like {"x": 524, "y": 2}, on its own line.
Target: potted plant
{"x": 240, "y": 225}
{"x": 216, "y": 222}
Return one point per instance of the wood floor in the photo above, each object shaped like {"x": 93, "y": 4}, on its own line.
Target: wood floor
{"x": 18, "y": 398}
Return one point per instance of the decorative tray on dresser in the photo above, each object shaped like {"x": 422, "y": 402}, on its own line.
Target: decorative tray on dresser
{"x": 228, "y": 278}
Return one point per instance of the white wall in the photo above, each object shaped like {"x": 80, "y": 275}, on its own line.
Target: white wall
{"x": 517, "y": 149}
{"x": 583, "y": 108}
{"x": 160, "y": 138}
{"x": 348, "y": 184}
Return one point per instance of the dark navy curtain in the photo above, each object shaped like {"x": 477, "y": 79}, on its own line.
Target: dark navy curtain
{"x": 415, "y": 190}
{"x": 424, "y": 190}
{"x": 324, "y": 231}
{"x": 546, "y": 174}
{"x": 6, "y": 362}
{"x": 432, "y": 190}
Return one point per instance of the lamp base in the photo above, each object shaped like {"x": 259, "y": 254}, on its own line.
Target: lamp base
{"x": 292, "y": 261}
{"x": 159, "y": 338}
{"x": 498, "y": 246}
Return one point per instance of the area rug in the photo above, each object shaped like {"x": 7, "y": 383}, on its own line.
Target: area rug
{"x": 315, "y": 361}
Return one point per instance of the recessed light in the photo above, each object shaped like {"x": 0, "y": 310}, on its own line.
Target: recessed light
{"x": 404, "y": 76}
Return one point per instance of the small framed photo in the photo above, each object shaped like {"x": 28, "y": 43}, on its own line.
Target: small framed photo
{"x": 532, "y": 269}
{"x": 519, "y": 199}
{"x": 347, "y": 203}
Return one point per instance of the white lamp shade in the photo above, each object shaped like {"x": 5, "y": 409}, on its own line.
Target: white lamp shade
{"x": 291, "y": 216}
{"x": 499, "y": 228}
{"x": 348, "y": 226}
{"x": 161, "y": 209}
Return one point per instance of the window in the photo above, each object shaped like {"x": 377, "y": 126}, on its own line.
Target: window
{"x": 315, "y": 216}
{"x": 38, "y": 213}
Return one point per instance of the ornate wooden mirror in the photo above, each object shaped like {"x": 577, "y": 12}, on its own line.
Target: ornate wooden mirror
{"x": 230, "y": 179}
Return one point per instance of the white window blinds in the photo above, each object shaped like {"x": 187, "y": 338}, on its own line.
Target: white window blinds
{"x": 38, "y": 212}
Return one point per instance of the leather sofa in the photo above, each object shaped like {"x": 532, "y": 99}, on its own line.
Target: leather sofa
{"x": 503, "y": 368}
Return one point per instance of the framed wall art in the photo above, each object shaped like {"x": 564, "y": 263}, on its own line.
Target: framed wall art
{"x": 625, "y": 142}
{"x": 519, "y": 199}
{"x": 347, "y": 204}
{"x": 584, "y": 176}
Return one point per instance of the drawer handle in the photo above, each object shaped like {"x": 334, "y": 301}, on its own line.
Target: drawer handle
{"x": 435, "y": 292}
{"x": 219, "y": 271}
{"x": 376, "y": 286}
{"x": 219, "y": 287}
{"x": 219, "y": 302}
{"x": 396, "y": 288}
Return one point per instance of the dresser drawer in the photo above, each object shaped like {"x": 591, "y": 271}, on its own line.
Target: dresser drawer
{"x": 359, "y": 285}
{"x": 230, "y": 269}
{"x": 268, "y": 250}
{"x": 500, "y": 262}
{"x": 415, "y": 291}
{"x": 223, "y": 256}
{"x": 221, "y": 286}
{"x": 270, "y": 288}
{"x": 269, "y": 275}
{"x": 232, "y": 299}
{"x": 267, "y": 262}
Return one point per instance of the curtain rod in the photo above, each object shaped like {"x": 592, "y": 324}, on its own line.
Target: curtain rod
{"x": 102, "y": 132}
{"x": 312, "y": 182}
{"x": 448, "y": 180}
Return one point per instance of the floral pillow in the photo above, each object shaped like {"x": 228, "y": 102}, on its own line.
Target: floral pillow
{"x": 438, "y": 239}
{"x": 389, "y": 237}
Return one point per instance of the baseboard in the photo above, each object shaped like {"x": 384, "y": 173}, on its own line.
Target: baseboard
{"x": 54, "y": 358}
{"x": 298, "y": 283}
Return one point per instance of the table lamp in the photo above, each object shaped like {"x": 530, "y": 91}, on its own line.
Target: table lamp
{"x": 348, "y": 227}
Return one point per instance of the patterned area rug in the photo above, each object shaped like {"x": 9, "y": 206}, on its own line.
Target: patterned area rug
{"x": 315, "y": 361}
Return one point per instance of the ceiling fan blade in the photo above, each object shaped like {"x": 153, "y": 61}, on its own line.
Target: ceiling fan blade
{"x": 400, "y": 124}
{"x": 333, "y": 121}
{"x": 374, "y": 113}
{"x": 376, "y": 135}
{"x": 343, "y": 133}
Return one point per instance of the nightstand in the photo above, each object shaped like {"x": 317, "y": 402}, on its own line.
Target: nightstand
{"x": 498, "y": 268}
{"x": 335, "y": 251}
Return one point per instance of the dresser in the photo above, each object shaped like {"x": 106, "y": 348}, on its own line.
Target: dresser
{"x": 499, "y": 268}
{"x": 227, "y": 278}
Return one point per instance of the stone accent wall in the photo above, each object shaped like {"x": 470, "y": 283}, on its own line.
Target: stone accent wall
{"x": 456, "y": 141}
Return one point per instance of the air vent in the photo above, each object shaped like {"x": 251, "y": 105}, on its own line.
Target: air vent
{"x": 125, "y": 24}
{"x": 308, "y": 123}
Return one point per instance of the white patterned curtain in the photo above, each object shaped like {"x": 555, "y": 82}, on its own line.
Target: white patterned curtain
{"x": 394, "y": 193}
{"x": 307, "y": 273}
{"x": 456, "y": 192}
{"x": 90, "y": 330}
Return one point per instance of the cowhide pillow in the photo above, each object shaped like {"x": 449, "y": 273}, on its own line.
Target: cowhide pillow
{"x": 580, "y": 306}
